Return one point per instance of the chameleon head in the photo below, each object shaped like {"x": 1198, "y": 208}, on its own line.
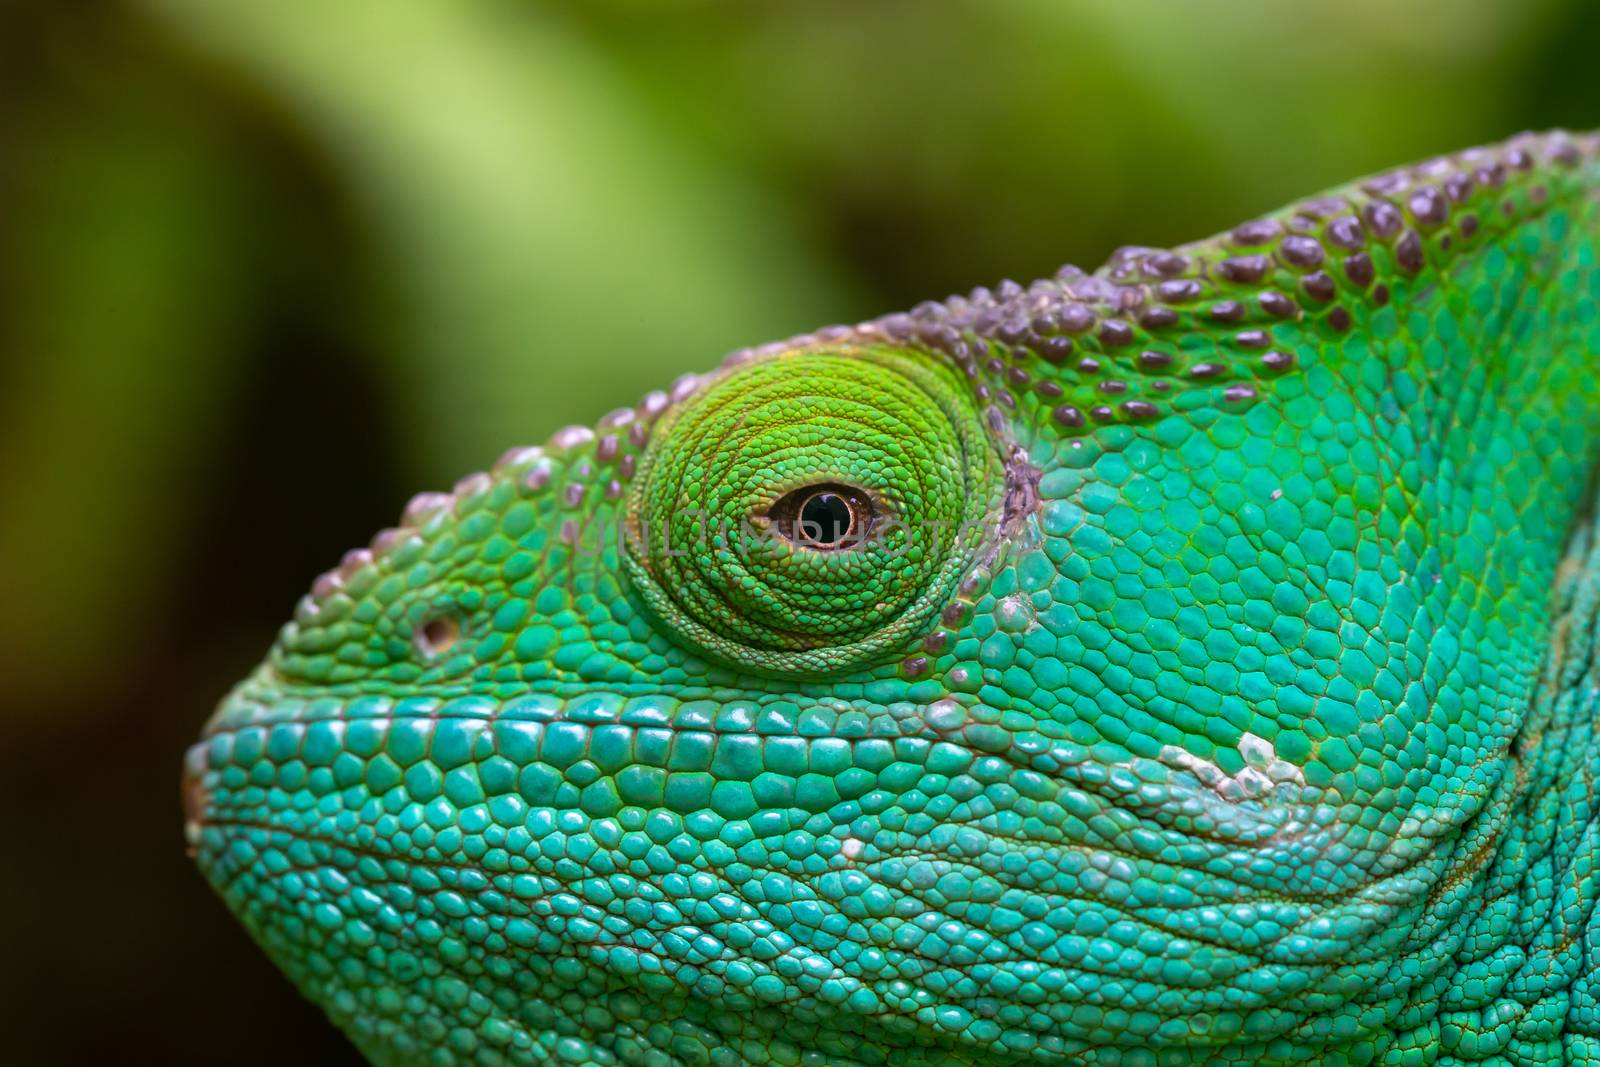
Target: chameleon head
{"x": 1005, "y": 681}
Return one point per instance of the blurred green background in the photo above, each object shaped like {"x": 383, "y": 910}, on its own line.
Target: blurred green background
{"x": 266, "y": 268}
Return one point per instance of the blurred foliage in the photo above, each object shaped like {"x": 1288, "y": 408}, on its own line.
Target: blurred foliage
{"x": 267, "y": 267}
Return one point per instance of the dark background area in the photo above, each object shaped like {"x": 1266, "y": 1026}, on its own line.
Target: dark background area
{"x": 268, "y": 267}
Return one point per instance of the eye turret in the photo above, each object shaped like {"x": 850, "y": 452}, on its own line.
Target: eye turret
{"x": 806, "y": 513}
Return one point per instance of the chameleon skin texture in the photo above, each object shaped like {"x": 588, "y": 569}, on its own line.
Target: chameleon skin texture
{"x": 1245, "y": 717}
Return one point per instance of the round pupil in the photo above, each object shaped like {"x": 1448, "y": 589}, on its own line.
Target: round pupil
{"x": 825, "y": 518}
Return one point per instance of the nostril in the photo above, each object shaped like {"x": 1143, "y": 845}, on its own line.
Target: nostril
{"x": 436, "y": 636}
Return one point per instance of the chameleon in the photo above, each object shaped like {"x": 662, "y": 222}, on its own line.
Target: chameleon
{"x": 1189, "y": 662}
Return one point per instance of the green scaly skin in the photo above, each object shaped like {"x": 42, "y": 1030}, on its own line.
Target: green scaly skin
{"x": 1214, "y": 683}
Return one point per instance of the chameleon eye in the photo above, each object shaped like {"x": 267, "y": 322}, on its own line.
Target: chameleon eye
{"x": 437, "y": 636}
{"x": 826, "y": 518}
{"x": 809, "y": 512}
